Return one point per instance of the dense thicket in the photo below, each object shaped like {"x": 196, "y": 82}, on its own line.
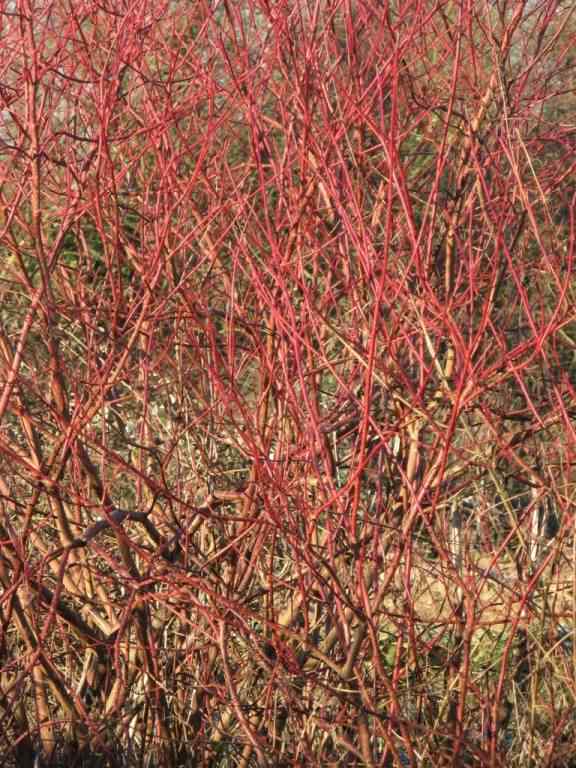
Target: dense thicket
{"x": 287, "y": 383}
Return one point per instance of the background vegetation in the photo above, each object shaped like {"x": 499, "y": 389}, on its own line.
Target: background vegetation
{"x": 287, "y": 383}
